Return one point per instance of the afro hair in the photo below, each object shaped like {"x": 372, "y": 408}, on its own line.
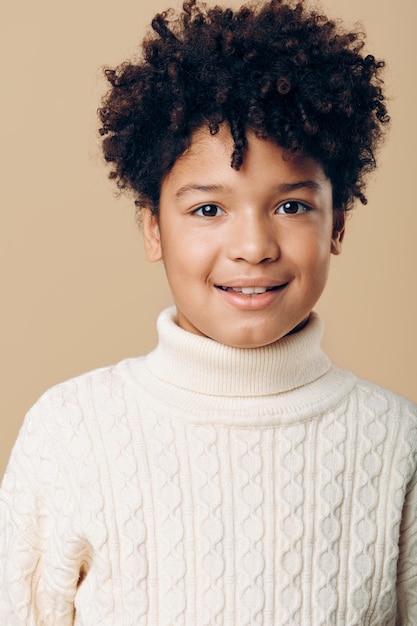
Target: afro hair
{"x": 277, "y": 68}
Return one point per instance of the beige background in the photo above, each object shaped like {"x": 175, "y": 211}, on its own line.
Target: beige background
{"x": 76, "y": 291}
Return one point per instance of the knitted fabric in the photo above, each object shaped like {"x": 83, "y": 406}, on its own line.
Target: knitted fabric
{"x": 206, "y": 485}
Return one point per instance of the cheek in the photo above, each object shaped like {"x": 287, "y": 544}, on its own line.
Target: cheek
{"x": 193, "y": 252}
{"x": 310, "y": 257}
{"x": 310, "y": 250}
{"x": 186, "y": 259}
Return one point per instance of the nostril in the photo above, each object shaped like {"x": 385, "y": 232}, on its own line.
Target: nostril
{"x": 253, "y": 240}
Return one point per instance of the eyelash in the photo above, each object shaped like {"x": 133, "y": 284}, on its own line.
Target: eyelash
{"x": 289, "y": 204}
{"x": 305, "y": 208}
{"x": 199, "y": 210}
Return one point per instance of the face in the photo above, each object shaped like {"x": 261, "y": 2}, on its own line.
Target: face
{"x": 246, "y": 252}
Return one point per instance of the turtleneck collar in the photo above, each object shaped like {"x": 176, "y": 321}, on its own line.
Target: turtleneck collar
{"x": 202, "y": 365}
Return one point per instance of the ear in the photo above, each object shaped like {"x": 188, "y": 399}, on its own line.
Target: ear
{"x": 151, "y": 236}
{"x": 338, "y": 232}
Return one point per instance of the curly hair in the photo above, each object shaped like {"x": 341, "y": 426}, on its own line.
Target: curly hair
{"x": 286, "y": 73}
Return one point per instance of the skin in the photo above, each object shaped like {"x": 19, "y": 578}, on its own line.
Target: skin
{"x": 269, "y": 225}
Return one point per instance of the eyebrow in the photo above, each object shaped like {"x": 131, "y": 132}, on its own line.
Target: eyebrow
{"x": 282, "y": 187}
{"x": 188, "y": 188}
{"x": 302, "y": 184}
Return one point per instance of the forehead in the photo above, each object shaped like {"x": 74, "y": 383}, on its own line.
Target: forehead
{"x": 209, "y": 157}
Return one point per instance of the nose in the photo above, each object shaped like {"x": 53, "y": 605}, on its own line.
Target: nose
{"x": 253, "y": 239}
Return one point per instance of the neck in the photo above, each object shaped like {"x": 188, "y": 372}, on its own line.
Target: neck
{"x": 202, "y": 365}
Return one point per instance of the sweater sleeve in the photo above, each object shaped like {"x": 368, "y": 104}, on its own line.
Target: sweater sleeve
{"x": 407, "y": 562}
{"x": 37, "y": 585}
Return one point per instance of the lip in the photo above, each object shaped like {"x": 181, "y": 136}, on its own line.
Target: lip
{"x": 255, "y": 302}
{"x": 245, "y": 281}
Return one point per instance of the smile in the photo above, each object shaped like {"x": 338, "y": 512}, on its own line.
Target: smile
{"x": 249, "y": 291}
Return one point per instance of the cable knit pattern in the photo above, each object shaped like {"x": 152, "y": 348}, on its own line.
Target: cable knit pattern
{"x": 204, "y": 485}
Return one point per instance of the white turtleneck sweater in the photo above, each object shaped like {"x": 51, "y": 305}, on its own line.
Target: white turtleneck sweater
{"x": 205, "y": 485}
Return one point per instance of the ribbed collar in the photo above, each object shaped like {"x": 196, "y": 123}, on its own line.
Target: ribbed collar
{"x": 202, "y": 365}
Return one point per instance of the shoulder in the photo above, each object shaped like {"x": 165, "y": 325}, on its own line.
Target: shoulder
{"x": 380, "y": 410}
{"x": 87, "y": 385}
{"x": 70, "y": 419}
{"x": 374, "y": 397}
{"x": 85, "y": 398}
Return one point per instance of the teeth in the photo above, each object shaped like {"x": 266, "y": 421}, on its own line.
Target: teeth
{"x": 249, "y": 291}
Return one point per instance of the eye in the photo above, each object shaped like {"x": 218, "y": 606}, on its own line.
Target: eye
{"x": 292, "y": 207}
{"x": 209, "y": 210}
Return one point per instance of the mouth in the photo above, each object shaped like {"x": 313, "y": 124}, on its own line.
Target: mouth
{"x": 250, "y": 291}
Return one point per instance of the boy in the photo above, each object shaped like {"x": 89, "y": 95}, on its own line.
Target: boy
{"x": 233, "y": 475}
